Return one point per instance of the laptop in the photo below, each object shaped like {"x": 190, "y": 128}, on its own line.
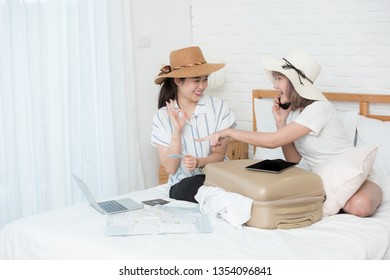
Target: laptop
{"x": 107, "y": 207}
{"x": 271, "y": 165}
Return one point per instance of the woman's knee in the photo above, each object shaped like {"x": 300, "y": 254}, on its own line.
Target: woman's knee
{"x": 364, "y": 203}
{"x": 361, "y": 206}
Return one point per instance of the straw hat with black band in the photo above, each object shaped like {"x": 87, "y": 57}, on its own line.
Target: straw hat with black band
{"x": 300, "y": 68}
{"x": 186, "y": 63}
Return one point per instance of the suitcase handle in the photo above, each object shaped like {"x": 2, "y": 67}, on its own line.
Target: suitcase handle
{"x": 297, "y": 224}
{"x": 295, "y": 210}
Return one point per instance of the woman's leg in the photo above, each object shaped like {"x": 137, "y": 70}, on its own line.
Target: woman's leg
{"x": 187, "y": 188}
{"x": 365, "y": 201}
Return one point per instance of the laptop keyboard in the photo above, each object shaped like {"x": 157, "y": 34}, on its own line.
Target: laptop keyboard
{"x": 112, "y": 206}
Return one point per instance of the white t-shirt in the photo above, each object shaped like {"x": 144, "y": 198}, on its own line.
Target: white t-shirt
{"x": 328, "y": 136}
{"x": 211, "y": 114}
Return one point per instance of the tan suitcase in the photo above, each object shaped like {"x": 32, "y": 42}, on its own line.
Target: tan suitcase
{"x": 290, "y": 199}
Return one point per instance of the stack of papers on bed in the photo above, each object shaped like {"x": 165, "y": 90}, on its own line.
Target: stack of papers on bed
{"x": 158, "y": 219}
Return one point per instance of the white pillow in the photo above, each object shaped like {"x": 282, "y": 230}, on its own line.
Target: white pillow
{"x": 383, "y": 181}
{"x": 342, "y": 176}
{"x": 375, "y": 132}
{"x": 385, "y": 185}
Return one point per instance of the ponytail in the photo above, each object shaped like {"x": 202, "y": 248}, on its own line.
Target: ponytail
{"x": 168, "y": 91}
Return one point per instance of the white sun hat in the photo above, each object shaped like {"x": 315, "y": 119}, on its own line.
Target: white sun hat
{"x": 300, "y": 68}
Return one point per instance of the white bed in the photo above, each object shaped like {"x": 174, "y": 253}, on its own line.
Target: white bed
{"x": 78, "y": 232}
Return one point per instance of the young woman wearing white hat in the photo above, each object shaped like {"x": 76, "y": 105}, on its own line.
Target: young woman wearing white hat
{"x": 316, "y": 134}
{"x": 184, "y": 115}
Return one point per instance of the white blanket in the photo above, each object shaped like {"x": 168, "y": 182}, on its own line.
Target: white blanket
{"x": 77, "y": 232}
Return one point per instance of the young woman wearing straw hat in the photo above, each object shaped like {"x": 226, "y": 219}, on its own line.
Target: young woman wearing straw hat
{"x": 316, "y": 134}
{"x": 185, "y": 114}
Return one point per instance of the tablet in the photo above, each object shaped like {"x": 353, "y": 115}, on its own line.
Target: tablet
{"x": 271, "y": 165}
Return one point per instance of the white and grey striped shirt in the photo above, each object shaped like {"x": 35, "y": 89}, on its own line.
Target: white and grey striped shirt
{"x": 211, "y": 114}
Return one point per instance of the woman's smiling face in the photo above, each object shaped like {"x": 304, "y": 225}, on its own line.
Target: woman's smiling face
{"x": 192, "y": 89}
{"x": 283, "y": 86}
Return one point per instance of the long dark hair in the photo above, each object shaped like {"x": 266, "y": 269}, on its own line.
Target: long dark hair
{"x": 168, "y": 91}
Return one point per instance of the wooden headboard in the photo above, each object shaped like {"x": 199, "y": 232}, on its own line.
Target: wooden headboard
{"x": 364, "y": 101}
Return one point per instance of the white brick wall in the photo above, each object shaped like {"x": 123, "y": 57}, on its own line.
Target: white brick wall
{"x": 350, "y": 38}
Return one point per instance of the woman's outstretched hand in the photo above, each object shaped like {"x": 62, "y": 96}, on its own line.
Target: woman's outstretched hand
{"x": 215, "y": 139}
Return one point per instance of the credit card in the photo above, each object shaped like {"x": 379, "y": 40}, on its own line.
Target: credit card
{"x": 156, "y": 201}
{"x": 175, "y": 155}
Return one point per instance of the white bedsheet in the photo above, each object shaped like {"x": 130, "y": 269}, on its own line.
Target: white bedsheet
{"x": 77, "y": 232}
